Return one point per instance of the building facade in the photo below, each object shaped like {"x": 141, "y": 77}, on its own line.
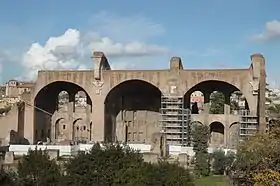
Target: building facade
{"x": 138, "y": 106}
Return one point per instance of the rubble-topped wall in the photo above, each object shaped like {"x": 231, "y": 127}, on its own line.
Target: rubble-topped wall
{"x": 8, "y": 123}
{"x": 11, "y": 125}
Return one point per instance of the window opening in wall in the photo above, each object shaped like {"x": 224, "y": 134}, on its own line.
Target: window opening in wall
{"x": 129, "y": 136}
{"x": 49, "y": 133}
{"x": 36, "y": 134}
{"x": 64, "y": 126}
{"x": 90, "y": 131}
{"x": 126, "y": 133}
{"x": 134, "y": 136}
{"x": 85, "y": 128}
{"x": 42, "y": 134}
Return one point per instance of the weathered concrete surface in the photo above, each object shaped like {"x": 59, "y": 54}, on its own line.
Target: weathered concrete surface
{"x": 113, "y": 93}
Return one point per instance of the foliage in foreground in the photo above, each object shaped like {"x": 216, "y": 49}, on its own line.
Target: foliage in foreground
{"x": 258, "y": 160}
{"x": 115, "y": 165}
{"x": 37, "y": 169}
{"x": 221, "y": 161}
{"x": 7, "y": 178}
{"x": 201, "y": 136}
{"x": 120, "y": 165}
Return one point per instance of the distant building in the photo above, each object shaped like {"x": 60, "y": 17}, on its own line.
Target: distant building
{"x": 11, "y": 92}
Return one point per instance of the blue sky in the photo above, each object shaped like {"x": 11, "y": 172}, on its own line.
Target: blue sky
{"x": 137, "y": 34}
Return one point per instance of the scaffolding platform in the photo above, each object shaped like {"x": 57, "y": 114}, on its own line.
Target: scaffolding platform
{"x": 248, "y": 124}
{"x": 175, "y": 120}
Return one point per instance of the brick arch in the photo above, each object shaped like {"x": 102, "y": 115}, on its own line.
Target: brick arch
{"x": 233, "y": 124}
{"x": 216, "y": 121}
{"x": 55, "y": 123}
{"x": 75, "y": 128}
{"x": 123, "y": 82}
{"x": 218, "y": 133}
{"x": 231, "y": 85}
{"x": 234, "y": 77}
{"x": 45, "y": 102}
{"x": 132, "y": 96}
{"x": 197, "y": 122}
{"x": 39, "y": 87}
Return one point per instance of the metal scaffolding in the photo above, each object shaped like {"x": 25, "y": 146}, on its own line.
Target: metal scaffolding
{"x": 248, "y": 123}
{"x": 175, "y": 120}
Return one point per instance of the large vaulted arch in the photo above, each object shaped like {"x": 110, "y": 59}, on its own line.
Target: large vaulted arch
{"x": 210, "y": 86}
{"x": 46, "y": 103}
{"x": 132, "y": 111}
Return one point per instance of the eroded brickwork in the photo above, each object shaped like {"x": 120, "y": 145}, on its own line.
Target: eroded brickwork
{"x": 124, "y": 105}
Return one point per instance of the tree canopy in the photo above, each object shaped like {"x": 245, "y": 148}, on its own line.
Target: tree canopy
{"x": 104, "y": 165}
{"x": 217, "y": 100}
{"x": 258, "y": 160}
{"x": 37, "y": 169}
{"x": 119, "y": 165}
{"x": 200, "y": 137}
{"x": 221, "y": 161}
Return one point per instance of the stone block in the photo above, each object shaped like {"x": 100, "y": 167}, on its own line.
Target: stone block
{"x": 53, "y": 153}
{"x": 9, "y": 158}
{"x": 150, "y": 157}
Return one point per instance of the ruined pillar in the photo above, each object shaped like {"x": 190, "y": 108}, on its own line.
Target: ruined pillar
{"x": 226, "y": 115}
{"x": 53, "y": 130}
{"x": 70, "y": 111}
{"x": 259, "y": 77}
{"x": 98, "y": 112}
{"x": 29, "y": 122}
{"x": 206, "y": 107}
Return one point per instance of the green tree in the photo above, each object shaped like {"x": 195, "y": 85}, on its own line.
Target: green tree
{"x": 217, "y": 101}
{"x": 119, "y": 165}
{"x": 221, "y": 161}
{"x": 163, "y": 173}
{"x": 258, "y": 160}
{"x": 37, "y": 169}
{"x": 166, "y": 174}
{"x": 274, "y": 109}
{"x": 200, "y": 137}
{"x": 103, "y": 165}
{"x": 7, "y": 178}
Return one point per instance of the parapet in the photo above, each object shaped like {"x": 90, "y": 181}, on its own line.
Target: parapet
{"x": 176, "y": 63}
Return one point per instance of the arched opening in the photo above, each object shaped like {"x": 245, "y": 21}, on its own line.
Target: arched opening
{"x": 132, "y": 111}
{"x": 196, "y": 123}
{"x": 81, "y": 102}
{"x": 233, "y": 136}
{"x": 90, "y": 132}
{"x": 196, "y": 102}
{"x": 238, "y": 102}
{"x": 78, "y": 131}
{"x": 47, "y": 104}
{"x": 217, "y": 102}
{"x": 63, "y": 101}
{"x": 217, "y": 130}
{"x": 221, "y": 92}
{"x": 60, "y": 126}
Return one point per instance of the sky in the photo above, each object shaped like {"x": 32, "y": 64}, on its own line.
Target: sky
{"x": 40, "y": 35}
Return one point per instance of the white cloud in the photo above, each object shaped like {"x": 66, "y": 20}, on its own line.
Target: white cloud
{"x": 270, "y": 32}
{"x": 72, "y": 50}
